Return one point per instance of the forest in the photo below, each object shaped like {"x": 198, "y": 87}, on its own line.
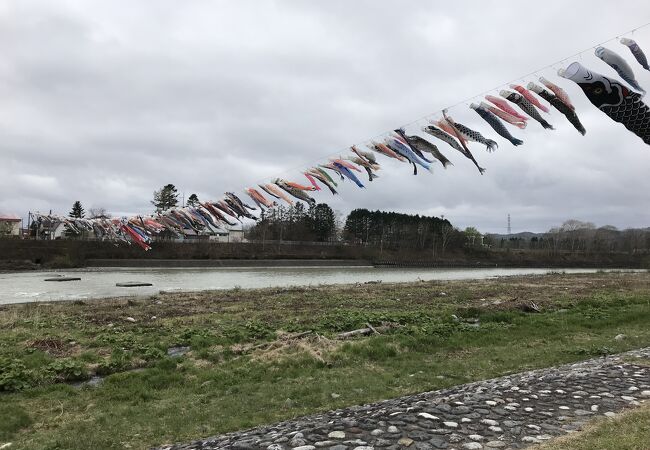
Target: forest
{"x": 385, "y": 230}
{"x": 295, "y": 223}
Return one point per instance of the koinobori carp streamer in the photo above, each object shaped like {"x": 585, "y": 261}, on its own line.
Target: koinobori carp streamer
{"x": 611, "y": 97}
{"x": 424, "y": 146}
{"x": 636, "y": 51}
{"x": 618, "y": 101}
{"x": 529, "y": 96}
{"x": 526, "y": 107}
{"x": 621, "y": 67}
{"x": 509, "y": 118}
{"x": 465, "y": 151}
{"x": 470, "y": 135}
{"x": 495, "y": 123}
{"x": 558, "y": 104}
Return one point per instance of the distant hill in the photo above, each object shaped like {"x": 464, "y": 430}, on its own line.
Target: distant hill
{"x": 524, "y": 235}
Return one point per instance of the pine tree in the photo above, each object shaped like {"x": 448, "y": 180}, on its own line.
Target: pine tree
{"x": 324, "y": 222}
{"x": 193, "y": 200}
{"x": 77, "y": 210}
{"x": 166, "y": 198}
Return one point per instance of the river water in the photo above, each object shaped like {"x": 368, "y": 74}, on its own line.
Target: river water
{"x": 100, "y": 282}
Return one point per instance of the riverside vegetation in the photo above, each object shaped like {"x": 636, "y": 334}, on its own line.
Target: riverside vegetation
{"x": 260, "y": 356}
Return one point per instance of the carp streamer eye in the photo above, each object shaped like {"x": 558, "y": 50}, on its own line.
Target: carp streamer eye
{"x": 598, "y": 91}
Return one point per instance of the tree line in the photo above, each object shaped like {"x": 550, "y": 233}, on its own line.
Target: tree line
{"x": 296, "y": 223}
{"x": 578, "y": 236}
{"x": 394, "y": 230}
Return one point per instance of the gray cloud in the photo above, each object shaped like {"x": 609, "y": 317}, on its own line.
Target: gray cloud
{"x": 107, "y": 101}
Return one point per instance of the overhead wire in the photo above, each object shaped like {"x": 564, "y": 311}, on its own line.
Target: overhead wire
{"x": 305, "y": 165}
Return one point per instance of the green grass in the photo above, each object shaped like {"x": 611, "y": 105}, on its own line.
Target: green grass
{"x": 224, "y": 385}
{"x": 627, "y": 431}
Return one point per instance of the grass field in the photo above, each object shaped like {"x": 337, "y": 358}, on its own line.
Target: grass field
{"x": 628, "y": 431}
{"x": 246, "y": 367}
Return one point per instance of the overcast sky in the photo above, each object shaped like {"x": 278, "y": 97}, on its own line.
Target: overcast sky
{"x": 104, "y": 102}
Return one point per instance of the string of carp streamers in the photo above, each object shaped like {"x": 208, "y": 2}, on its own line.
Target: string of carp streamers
{"x": 514, "y": 109}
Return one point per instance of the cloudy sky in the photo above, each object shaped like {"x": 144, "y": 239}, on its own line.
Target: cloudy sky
{"x": 106, "y": 101}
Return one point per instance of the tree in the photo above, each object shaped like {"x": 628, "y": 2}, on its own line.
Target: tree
{"x": 5, "y": 228}
{"x": 76, "y": 213}
{"x": 473, "y": 236}
{"x": 77, "y": 210}
{"x": 393, "y": 230}
{"x": 193, "y": 200}
{"x": 98, "y": 213}
{"x": 166, "y": 198}
{"x": 294, "y": 223}
{"x": 323, "y": 222}
{"x": 446, "y": 232}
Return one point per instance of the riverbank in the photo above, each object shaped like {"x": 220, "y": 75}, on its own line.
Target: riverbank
{"x": 226, "y": 263}
{"x": 98, "y": 283}
{"x": 175, "y": 367}
{"x": 17, "y": 254}
{"x": 507, "y": 412}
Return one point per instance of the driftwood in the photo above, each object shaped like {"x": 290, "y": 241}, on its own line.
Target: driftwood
{"x": 366, "y": 331}
{"x": 530, "y": 307}
{"x": 266, "y": 345}
{"x": 373, "y": 330}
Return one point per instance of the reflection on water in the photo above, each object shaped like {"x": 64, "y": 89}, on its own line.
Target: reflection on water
{"x": 99, "y": 283}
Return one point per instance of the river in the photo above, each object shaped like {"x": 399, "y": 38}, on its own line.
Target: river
{"x": 100, "y": 282}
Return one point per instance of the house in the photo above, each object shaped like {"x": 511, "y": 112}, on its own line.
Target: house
{"x": 10, "y": 225}
{"x": 236, "y": 235}
{"x": 228, "y": 235}
{"x": 51, "y": 230}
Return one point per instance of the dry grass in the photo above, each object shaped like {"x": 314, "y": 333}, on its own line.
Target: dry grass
{"x": 629, "y": 430}
{"x": 497, "y": 294}
{"x": 316, "y": 346}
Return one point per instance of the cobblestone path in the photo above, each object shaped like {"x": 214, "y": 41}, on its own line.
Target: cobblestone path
{"x": 510, "y": 412}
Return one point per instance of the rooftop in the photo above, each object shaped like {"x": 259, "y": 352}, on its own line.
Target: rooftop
{"x": 9, "y": 218}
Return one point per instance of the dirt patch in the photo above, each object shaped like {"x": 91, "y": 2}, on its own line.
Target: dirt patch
{"x": 53, "y": 346}
{"x": 318, "y": 347}
{"x": 289, "y": 345}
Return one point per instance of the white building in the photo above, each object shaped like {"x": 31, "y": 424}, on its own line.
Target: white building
{"x": 9, "y": 225}
{"x": 51, "y": 230}
{"x": 228, "y": 235}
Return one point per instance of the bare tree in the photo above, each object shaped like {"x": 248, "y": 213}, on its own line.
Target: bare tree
{"x": 446, "y": 232}
{"x": 553, "y": 239}
{"x": 98, "y": 213}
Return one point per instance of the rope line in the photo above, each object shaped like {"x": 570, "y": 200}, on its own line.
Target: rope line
{"x": 305, "y": 165}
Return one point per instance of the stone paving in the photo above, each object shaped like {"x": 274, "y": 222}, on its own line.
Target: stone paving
{"x": 510, "y": 412}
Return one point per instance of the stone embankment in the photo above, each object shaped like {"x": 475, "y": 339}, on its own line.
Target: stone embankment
{"x": 510, "y": 412}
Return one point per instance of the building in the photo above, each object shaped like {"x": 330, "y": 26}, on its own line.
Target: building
{"x": 224, "y": 235}
{"x": 10, "y": 225}
{"x": 228, "y": 235}
{"x": 51, "y": 230}
{"x": 236, "y": 235}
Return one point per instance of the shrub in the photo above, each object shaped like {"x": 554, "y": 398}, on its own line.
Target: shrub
{"x": 67, "y": 370}
{"x": 14, "y": 376}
